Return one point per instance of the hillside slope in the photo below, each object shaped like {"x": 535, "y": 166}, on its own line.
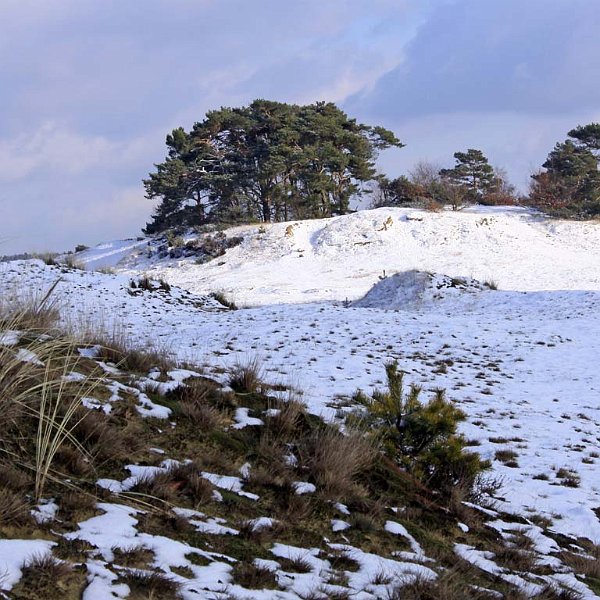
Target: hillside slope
{"x": 519, "y": 361}
{"x": 342, "y": 257}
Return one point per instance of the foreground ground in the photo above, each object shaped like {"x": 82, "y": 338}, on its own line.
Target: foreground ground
{"x": 518, "y": 360}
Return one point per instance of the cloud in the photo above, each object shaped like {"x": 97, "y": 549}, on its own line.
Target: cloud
{"x": 115, "y": 67}
{"x": 518, "y": 143}
{"x": 64, "y": 213}
{"x": 90, "y": 89}
{"x": 534, "y": 56}
{"x": 508, "y": 77}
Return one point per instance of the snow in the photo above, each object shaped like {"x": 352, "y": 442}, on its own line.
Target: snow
{"x": 374, "y": 567}
{"x": 339, "y": 525}
{"x": 25, "y": 355}
{"x": 304, "y": 487}
{"x": 230, "y": 483}
{"x": 399, "y": 529}
{"x": 242, "y": 419}
{"x": 335, "y": 299}
{"x": 45, "y": 511}
{"x": 331, "y": 259}
{"x": 9, "y": 338}
{"x": 14, "y": 554}
{"x": 108, "y": 254}
{"x": 262, "y": 523}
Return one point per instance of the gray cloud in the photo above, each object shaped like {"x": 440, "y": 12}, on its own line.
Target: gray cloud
{"x": 510, "y": 77}
{"x": 536, "y": 56}
{"x": 90, "y": 90}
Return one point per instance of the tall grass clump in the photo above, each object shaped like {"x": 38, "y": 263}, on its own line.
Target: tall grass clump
{"x": 31, "y": 312}
{"x": 422, "y": 436}
{"x": 39, "y": 400}
{"x": 246, "y": 377}
{"x": 335, "y": 460}
{"x": 115, "y": 347}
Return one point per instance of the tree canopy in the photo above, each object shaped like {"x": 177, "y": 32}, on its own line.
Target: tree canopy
{"x": 268, "y": 161}
{"x": 472, "y": 172}
{"x": 570, "y": 183}
{"x": 471, "y": 180}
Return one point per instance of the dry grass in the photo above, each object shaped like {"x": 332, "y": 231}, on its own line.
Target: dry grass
{"x": 147, "y": 585}
{"x": 222, "y": 299}
{"x": 298, "y": 564}
{"x": 70, "y": 261}
{"x": 549, "y": 592}
{"x": 195, "y": 405}
{"x": 246, "y": 377}
{"x": 32, "y": 312}
{"x": 587, "y": 564}
{"x": 450, "y": 585}
{"x": 39, "y": 405}
{"x": 115, "y": 347}
{"x": 335, "y": 460}
{"x": 515, "y": 559}
{"x": 285, "y": 424}
{"x": 14, "y": 479}
{"x": 44, "y": 577}
{"x": 13, "y": 510}
{"x": 203, "y": 416}
{"x": 250, "y": 576}
{"x": 136, "y": 557}
{"x": 105, "y": 438}
{"x": 182, "y": 479}
{"x": 76, "y": 502}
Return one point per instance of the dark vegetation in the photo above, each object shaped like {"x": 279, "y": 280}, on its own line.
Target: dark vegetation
{"x": 570, "y": 184}
{"x": 272, "y": 161}
{"x": 422, "y": 437}
{"x": 268, "y": 161}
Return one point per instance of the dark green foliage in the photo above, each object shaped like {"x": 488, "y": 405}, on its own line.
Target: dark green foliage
{"x": 587, "y": 136}
{"x": 472, "y": 176}
{"x": 422, "y": 436}
{"x": 268, "y": 161}
{"x": 395, "y": 192}
{"x": 570, "y": 184}
{"x": 471, "y": 180}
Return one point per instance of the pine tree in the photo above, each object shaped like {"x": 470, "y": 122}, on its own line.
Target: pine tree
{"x": 570, "y": 184}
{"x": 269, "y": 161}
{"x": 472, "y": 173}
{"x": 588, "y": 137}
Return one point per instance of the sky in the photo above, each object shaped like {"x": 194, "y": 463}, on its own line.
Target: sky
{"x": 90, "y": 88}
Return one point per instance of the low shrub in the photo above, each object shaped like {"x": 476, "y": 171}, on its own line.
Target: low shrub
{"x": 422, "y": 437}
{"x": 246, "y": 378}
{"x": 221, "y": 298}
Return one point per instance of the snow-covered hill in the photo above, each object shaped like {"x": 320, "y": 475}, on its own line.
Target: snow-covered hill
{"x": 343, "y": 257}
{"x": 520, "y": 360}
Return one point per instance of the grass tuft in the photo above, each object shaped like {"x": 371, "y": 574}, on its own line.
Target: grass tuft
{"x": 335, "y": 460}
{"x": 246, "y": 378}
{"x": 148, "y": 585}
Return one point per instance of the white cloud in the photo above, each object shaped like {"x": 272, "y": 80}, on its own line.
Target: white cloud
{"x": 66, "y": 152}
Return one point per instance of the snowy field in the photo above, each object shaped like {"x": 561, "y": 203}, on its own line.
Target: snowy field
{"x": 521, "y": 360}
